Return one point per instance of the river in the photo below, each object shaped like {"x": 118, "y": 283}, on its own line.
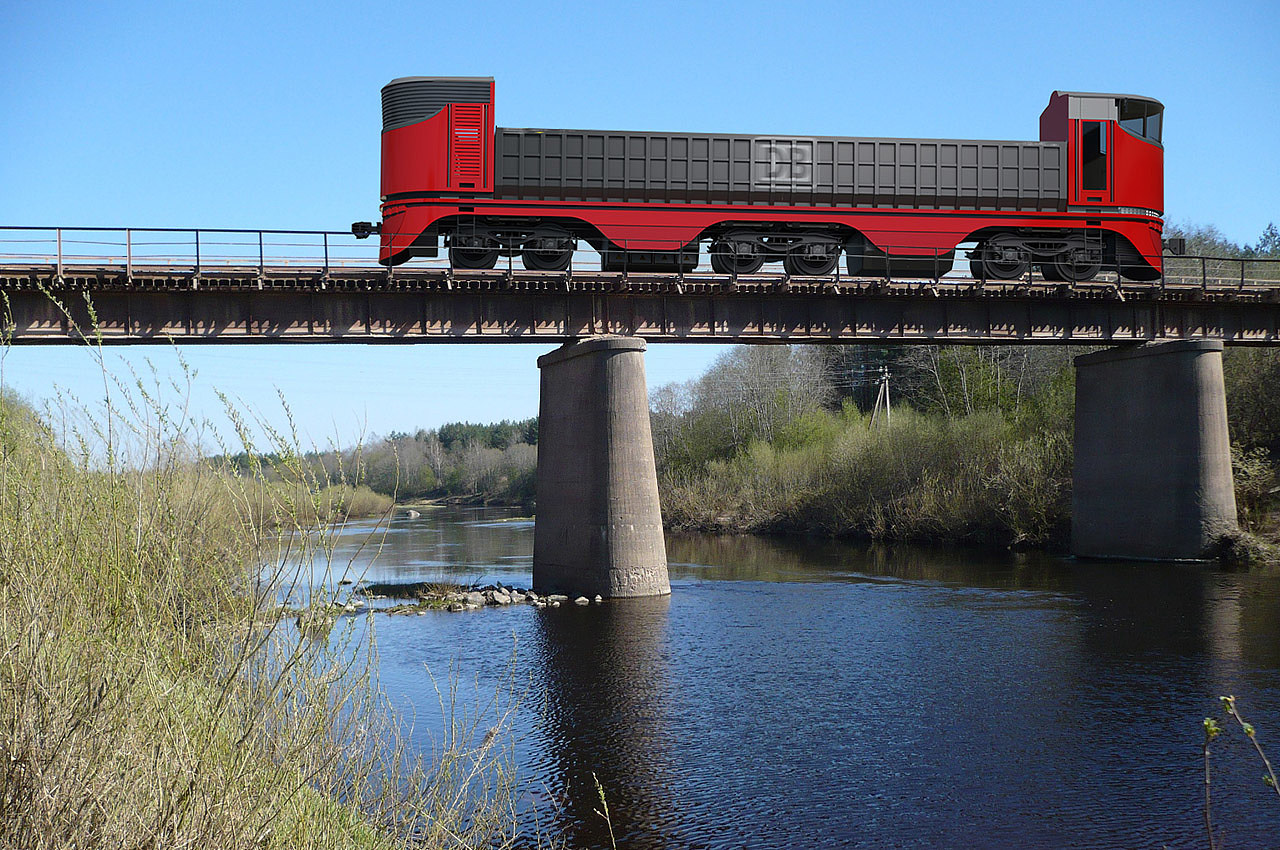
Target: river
{"x": 809, "y": 693}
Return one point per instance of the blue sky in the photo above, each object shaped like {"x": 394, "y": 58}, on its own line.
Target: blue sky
{"x": 266, "y": 115}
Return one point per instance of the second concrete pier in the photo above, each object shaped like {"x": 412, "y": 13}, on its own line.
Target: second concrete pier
{"x": 1152, "y": 453}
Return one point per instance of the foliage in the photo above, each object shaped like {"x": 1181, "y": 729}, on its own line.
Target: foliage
{"x": 150, "y": 695}
{"x": 1254, "y": 478}
{"x": 1212, "y": 731}
{"x": 923, "y": 477}
{"x": 1252, "y": 377}
{"x": 979, "y": 451}
{"x": 495, "y": 462}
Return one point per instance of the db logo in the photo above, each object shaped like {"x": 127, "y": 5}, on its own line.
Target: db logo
{"x": 784, "y": 162}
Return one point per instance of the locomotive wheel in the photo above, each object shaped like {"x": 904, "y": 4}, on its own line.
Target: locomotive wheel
{"x": 1065, "y": 269}
{"x": 725, "y": 260}
{"x": 983, "y": 265}
{"x": 473, "y": 258}
{"x": 1047, "y": 271}
{"x": 808, "y": 265}
{"x": 546, "y": 261}
{"x": 555, "y": 259}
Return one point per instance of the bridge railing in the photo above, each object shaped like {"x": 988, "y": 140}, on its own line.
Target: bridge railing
{"x": 197, "y": 249}
{"x": 210, "y": 250}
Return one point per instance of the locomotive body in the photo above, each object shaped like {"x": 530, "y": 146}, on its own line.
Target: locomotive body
{"x": 1087, "y": 196}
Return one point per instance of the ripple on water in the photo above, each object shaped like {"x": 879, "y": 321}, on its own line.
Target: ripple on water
{"x": 786, "y": 696}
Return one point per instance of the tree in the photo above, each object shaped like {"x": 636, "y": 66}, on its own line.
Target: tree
{"x": 1269, "y": 243}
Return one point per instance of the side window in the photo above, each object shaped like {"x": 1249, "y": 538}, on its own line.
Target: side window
{"x": 1153, "y": 126}
{"x": 1140, "y": 117}
{"x": 1093, "y": 153}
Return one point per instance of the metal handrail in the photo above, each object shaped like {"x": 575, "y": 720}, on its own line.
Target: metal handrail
{"x": 326, "y": 249}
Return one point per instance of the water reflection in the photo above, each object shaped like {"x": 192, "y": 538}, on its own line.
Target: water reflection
{"x": 607, "y": 694}
{"x": 747, "y": 558}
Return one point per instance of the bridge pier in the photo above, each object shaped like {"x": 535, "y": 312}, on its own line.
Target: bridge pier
{"x": 599, "y": 525}
{"x": 1152, "y": 473}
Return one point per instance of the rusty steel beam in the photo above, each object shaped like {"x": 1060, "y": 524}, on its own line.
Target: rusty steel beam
{"x": 370, "y": 305}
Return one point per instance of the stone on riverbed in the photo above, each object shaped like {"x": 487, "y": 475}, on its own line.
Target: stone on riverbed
{"x": 557, "y": 597}
{"x": 475, "y": 598}
{"x": 582, "y": 600}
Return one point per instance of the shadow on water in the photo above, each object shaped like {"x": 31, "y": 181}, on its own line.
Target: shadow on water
{"x": 607, "y": 696}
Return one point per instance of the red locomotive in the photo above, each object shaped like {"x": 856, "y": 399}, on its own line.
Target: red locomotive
{"x": 1087, "y": 196}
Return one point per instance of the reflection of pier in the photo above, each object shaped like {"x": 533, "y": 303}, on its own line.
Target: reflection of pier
{"x": 606, "y": 698}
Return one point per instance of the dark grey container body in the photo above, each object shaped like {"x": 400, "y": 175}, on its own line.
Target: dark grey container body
{"x": 949, "y": 174}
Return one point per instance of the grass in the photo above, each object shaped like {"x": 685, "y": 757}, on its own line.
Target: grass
{"x": 150, "y": 695}
{"x": 970, "y": 479}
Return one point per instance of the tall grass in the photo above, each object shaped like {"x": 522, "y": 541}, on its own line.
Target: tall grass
{"x": 150, "y": 693}
{"x": 974, "y": 478}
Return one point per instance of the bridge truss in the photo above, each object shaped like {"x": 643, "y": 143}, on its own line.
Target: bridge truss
{"x": 217, "y": 286}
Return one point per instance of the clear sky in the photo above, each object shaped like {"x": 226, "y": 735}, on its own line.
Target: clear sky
{"x": 267, "y": 115}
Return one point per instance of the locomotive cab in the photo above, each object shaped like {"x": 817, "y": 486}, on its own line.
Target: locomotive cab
{"x": 1115, "y": 165}
{"x": 1115, "y": 158}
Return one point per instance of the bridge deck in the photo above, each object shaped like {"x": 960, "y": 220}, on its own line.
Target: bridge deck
{"x": 50, "y": 303}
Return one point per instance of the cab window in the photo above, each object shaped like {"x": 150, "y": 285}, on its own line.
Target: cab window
{"x": 1140, "y": 117}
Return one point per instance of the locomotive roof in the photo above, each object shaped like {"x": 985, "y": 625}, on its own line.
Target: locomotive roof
{"x": 439, "y": 80}
{"x": 1109, "y": 96}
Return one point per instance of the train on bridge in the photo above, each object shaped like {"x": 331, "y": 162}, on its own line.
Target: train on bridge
{"x": 1088, "y": 196}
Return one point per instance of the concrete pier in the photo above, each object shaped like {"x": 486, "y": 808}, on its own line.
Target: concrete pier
{"x": 599, "y": 525}
{"x": 1152, "y": 455}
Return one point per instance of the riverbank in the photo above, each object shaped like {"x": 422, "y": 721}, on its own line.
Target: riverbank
{"x": 152, "y": 695}
{"x": 977, "y": 449}
{"x": 974, "y": 479}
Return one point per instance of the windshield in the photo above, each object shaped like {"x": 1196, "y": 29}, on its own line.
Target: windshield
{"x": 1141, "y": 118}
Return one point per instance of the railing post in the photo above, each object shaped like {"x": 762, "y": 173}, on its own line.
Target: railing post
{"x": 261, "y": 260}
{"x": 59, "y": 253}
{"x": 128, "y": 254}
{"x": 326, "y": 254}
{"x": 1204, "y": 275}
{"x": 197, "y": 253}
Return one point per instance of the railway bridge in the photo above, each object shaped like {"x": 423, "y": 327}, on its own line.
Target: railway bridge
{"x": 1152, "y": 455}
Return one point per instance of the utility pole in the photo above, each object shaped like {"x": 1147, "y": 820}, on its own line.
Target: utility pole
{"x": 882, "y": 398}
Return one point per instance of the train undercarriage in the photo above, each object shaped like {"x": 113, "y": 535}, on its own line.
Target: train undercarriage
{"x": 803, "y": 251}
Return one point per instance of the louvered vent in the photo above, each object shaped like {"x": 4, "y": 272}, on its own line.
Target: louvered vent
{"x": 466, "y": 146}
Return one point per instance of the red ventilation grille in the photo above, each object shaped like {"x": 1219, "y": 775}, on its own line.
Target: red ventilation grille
{"x": 466, "y": 147}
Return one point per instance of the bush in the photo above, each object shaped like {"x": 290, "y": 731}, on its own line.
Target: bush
{"x": 150, "y": 692}
{"x": 921, "y": 478}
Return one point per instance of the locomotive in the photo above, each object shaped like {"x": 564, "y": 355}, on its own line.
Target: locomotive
{"x": 1087, "y": 196}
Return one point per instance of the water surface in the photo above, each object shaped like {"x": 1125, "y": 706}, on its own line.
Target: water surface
{"x": 813, "y": 693}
